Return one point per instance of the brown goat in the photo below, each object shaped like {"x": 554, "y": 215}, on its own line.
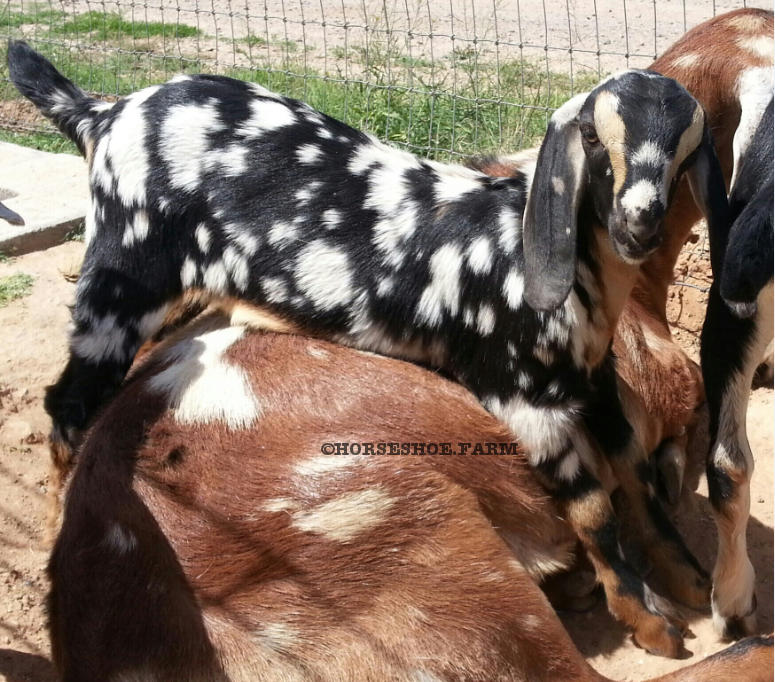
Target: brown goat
{"x": 207, "y": 535}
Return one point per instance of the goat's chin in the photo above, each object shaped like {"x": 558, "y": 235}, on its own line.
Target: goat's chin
{"x": 629, "y": 252}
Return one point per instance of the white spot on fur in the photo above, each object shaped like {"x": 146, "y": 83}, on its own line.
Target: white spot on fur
{"x": 686, "y": 61}
{"x": 454, "y": 182}
{"x": 282, "y": 233}
{"x": 331, "y": 218}
{"x": 443, "y": 291}
{"x": 375, "y": 153}
{"x": 544, "y": 431}
{"x": 347, "y": 516}
{"x": 308, "y": 153}
{"x": 237, "y": 266}
{"x": 261, "y": 91}
{"x": 279, "y": 504}
{"x": 232, "y": 160}
{"x": 202, "y": 387}
{"x": 279, "y": 637}
{"x": 485, "y": 319}
{"x": 385, "y": 286}
{"x": 188, "y": 272}
{"x": 136, "y": 230}
{"x": 125, "y": 147}
{"x": 265, "y": 116}
{"x": 216, "y": 278}
{"x": 323, "y": 274}
{"x": 480, "y": 256}
{"x": 513, "y": 287}
{"x": 185, "y": 142}
{"x": 325, "y": 464}
{"x": 569, "y": 467}
{"x": 105, "y": 340}
{"x": 202, "y": 235}
{"x": 558, "y": 184}
{"x": 304, "y": 195}
{"x": 639, "y": 197}
{"x": 275, "y": 289}
{"x": 761, "y": 46}
{"x": 510, "y": 227}
{"x": 649, "y": 154}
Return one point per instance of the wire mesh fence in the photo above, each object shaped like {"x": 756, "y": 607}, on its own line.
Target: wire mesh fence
{"x": 443, "y": 78}
{"x": 440, "y": 77}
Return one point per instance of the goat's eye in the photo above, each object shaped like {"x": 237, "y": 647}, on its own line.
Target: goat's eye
{"x": 589, "y": 134}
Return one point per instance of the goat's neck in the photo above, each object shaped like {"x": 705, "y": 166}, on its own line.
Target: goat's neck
{"x": 608, "y": 281}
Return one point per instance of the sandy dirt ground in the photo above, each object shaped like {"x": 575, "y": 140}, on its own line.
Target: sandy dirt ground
{"x": 32, "y": 352}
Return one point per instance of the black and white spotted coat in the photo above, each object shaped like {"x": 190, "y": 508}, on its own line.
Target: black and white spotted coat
{"x": 215, "y": 184}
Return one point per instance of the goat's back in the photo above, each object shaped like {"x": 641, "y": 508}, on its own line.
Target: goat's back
{"x": 195, "y": 550}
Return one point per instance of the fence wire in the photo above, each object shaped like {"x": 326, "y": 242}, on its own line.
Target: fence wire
{"x": 443, "y": 78}
{"x": 440, "y": 77}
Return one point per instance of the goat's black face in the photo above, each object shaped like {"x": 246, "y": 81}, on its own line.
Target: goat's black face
{"x": 638, "y": 131}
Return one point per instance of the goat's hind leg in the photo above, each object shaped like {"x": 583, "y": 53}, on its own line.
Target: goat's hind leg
{"x": 557, "y": 450}
{"x": 731, "y": 350}
{"x": 674, "y": 566}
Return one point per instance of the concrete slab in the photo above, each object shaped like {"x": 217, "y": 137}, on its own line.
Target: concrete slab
{"x": 49, "y": 191}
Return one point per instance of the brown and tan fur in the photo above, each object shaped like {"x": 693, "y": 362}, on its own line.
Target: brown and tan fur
{"x": 199, "y": 552}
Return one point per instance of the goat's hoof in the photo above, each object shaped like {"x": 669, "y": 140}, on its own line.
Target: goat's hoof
{"x": 734, "y": 627}
{"x": 660, "y": 638}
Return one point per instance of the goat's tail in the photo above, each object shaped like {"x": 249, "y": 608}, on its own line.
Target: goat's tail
{"x": 750, "y": 660}
{"x": 69, "y": 107}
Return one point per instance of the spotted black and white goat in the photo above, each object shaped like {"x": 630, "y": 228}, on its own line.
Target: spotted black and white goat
{"x": 214, "y": 184}
{"x": 737, "y": 329}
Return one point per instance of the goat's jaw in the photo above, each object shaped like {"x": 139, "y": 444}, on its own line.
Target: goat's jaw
{"x": 629, "y": 250}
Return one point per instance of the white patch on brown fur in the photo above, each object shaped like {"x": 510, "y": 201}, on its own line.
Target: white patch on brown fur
{"x": 346, "y": 516}
{"x": 748, "y": 23}
{"x": 326, "y": 464}
{"x": 686, "y": 61}
{"x": 760, "y": 46}
{"x": 279, "y": 637}
{"x": 201, "y": 386}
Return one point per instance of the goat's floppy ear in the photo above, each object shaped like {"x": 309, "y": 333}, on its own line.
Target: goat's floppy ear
{"x": 549, "y": 224}
{"x": 710, "y": 194}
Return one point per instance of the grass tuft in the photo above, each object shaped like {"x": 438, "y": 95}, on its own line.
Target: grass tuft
{"x": 13, "y": 287}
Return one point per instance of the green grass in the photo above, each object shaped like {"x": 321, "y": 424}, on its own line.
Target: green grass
{"x": 45, "y": 142}
{"x": 13, "y": 287}
{"x": 110, "y": 26}
{"x": 462, "y": 104}
{"x": 97, "y": 26}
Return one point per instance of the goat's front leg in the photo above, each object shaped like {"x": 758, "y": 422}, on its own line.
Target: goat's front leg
{"x": 731, "y": 350}
{"x": 113, "y": 315}
{"x": 559, "y": 453}
{"x": 674, "y": 566}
